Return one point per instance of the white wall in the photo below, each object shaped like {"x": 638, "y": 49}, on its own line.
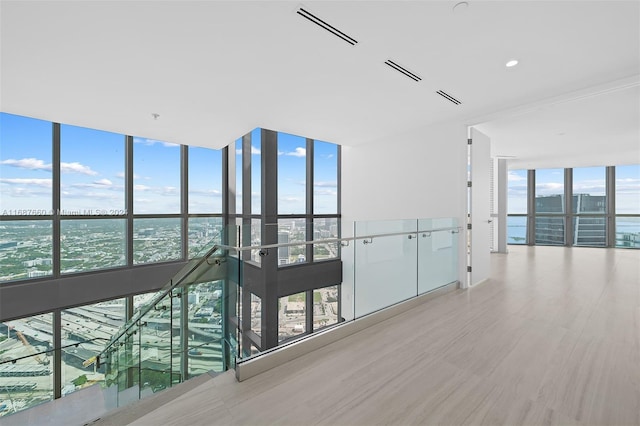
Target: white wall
{"x": 416, "y": 174}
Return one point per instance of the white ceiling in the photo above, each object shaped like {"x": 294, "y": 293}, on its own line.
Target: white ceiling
{"x": 214, "y": 70}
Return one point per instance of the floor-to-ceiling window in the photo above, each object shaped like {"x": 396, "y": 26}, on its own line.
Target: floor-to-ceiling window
{"x": 302, "y": 205}
{"x": 517, "y": 207}
{"x": 549, "y": 207}
{"x": 584, "y": 206}
{"x": 627, "y": 215}
{"x": 79, "y": 203}
{"x": 589, "y": 206}
{"x": 26, "y": 185}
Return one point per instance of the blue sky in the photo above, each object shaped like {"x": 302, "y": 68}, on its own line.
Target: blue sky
{"x": 586, "y": 180}
{"x": 292, "y": 174}
{"x": 92, "y": 166}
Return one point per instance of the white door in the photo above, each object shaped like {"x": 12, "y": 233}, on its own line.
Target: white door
{"x": 480, "y": 212}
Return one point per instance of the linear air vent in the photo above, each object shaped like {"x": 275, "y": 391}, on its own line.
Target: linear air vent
{"x": 402, "y": 70}
{"x": 333, "y": 30}
{"x": 448, "y": 97}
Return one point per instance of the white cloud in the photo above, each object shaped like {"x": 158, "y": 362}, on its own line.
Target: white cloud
{"x": 326, "y": 184}
{"x": 513, "y": 177}
{"x": 43, "y": 183}
{"x": 101, "y": 184}
{"x": 141, "y": 187}
{"x": 76, "y": 167}
{"x": 169, "y": 190}
{"x": 299, "y": 152}
{"x": 35, "y": 164}
{"x": 150, "y": 142}
{"x": 254, "y": 151}
{"x": 121, "y": 175}
{"x": 593, "y": 187}
{"x": 325, "y": 192}
{"x": 550, "y": 188}
{"x": 289, "y": 199}
{"x": 213, "y": 192}
{"x": 27, "y": 163}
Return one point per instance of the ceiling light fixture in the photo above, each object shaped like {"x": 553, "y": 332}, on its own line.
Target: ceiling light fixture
{"x": 512, "y": 63}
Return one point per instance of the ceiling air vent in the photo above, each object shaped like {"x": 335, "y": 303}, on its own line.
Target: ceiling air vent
{"x": 402, "y": 70}
{"x": 333, "y": 30}
{"x": 448, "y": 97}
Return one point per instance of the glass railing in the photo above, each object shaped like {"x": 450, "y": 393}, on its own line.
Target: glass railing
{"x": 214, "y": 313}
{"x": 384, "y": 263}
{"x": 26, "y": 372}
{"x": 178, "y": 334}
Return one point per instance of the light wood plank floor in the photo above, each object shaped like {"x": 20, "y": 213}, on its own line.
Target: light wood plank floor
{"x": 552, "y": 338}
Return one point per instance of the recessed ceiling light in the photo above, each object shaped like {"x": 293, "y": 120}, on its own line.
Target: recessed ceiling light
{"x": 512, "y": 63}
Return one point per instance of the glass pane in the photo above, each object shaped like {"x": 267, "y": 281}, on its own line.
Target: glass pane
{"x": 256, "y": 172}
{"x": 291, "y": 231}
{"x": 205, "y": 327}
{"x": 628, "y": 189}
{"x": 325, "y": 307}
{"x": 92, "y": 172}
{"x": 589, "y": 190}
{"x": 140, "y": 300}
{"x": 25, "y": 165}
{"x": 292, "y": 316}
{"x": 205, "y": 180}
{"x": 385, "y": 267}
{"x": 550, "y": 191}
{"x": 628, "y": 232}
{"x": 549, "y": 230}
{"x": 589, "y": 231}
{"x": 437, "y": 253}
{"x": 28, "y": 381}
{"x": 256, "y": 314}
{"x": 239, "y": 176}
{"x": 156, "y": 240}
{"x": 325, "y": 228}
{"x": 92, "y": 244}
{"x": 91, "y": 327}
{"x": 156, "y": 348}
{"x": 256, "y": 239}
{"x": 517, "y": 191}
{"x": 325, "y": 178}
{"x": 292, "y": 174}
{"x": 516, "y": 230}
{"x": 204, "y": 232}
{"x": 26, "y": 249}
{"x": 156, "y": 176}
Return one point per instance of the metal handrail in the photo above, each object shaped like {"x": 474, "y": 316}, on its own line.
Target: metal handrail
{"x": 454, "y": 229}
{"x": 146, "y": 308}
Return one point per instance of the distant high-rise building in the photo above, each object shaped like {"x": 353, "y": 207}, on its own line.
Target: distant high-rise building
{"x": 283, "y": 252}
{"x": 587, "y": 231}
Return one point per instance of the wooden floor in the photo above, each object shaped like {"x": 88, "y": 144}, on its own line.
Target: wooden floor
{"x": 552, "y": 338}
